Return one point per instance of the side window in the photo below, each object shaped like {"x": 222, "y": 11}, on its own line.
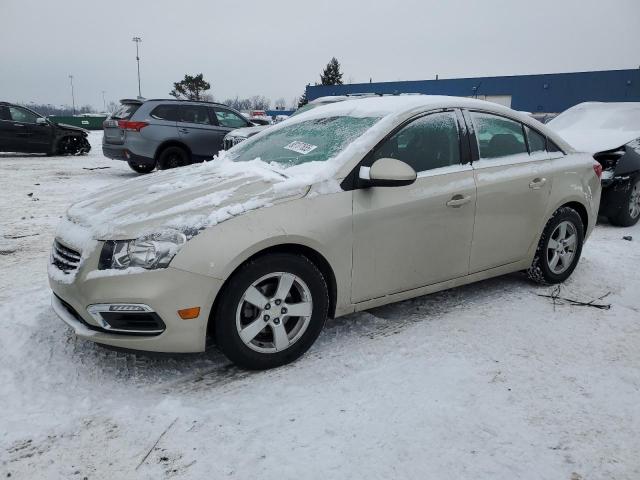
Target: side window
{"x": 498, "y": 136}
{"x": 537, "y": 143}
{"x": 22, "y": 115}
{"x": 198, "y": 114}
{"x": 229, "y": 119}
{"x": 429, "y": 142}
{"x": 552, "y": 147}
{"x": 165, "y": 112}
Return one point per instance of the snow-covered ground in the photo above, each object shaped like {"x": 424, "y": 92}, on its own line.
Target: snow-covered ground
{"x": 488, "y": 381}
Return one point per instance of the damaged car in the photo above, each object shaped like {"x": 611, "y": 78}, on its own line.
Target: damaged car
{"x": 611, "y": 133}
{"x": 24, "y": 130}
{"x": 334, "y": 211}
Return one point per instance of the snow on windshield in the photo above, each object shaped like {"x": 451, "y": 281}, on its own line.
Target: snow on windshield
{"x": 308, "y": 141}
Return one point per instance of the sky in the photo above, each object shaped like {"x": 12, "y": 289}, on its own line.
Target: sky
{"x": 275, "y": 48}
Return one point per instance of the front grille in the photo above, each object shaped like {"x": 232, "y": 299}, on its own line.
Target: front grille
{"x": 231, "y": 141}
{"x": 65, "y": 258}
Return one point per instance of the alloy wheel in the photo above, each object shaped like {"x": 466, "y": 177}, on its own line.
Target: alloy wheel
{"x": 274, "y": 312}
{"x": 561, "y": 248}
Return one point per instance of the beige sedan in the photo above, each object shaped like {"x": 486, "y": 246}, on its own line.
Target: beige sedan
{"x": 340, "y": 209}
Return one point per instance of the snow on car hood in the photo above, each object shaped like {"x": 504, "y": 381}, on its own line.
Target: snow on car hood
{"x": 187, "y": 198}
{"x": 247, "y": 132}
{"x": 595, "y": 127}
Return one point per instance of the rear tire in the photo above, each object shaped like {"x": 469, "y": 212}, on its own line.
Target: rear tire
{"x": 559, "y": 248}
{"x": 141, "y": 168}
{"x": 254, "y": 322}
{"x": 629, "y": 212}
{"x": 173, "y": 157}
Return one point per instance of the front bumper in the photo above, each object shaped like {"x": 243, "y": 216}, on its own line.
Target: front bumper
{"x": 165, "y": 291}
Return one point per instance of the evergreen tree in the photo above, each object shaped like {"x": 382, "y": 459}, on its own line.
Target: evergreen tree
{"x": 191, "y": 87}
{"x": 302, "y": 101}
{"x": 332, "y": 74}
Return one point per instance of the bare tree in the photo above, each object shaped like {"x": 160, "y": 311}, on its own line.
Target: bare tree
{"x": 280, "y": 104}
{"x": 260, "y": 102}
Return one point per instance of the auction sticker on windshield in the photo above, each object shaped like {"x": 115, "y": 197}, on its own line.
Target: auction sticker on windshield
{"x": 300, "y": 147}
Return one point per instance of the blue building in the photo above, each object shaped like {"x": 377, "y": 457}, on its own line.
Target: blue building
{"x": 548, "y": 93}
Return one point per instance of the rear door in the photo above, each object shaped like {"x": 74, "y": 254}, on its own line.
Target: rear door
{"x": 513, "y": 189}
{"x": 113, "y": 134}
{"x": 8, "y": 130}
{"x": 198, "y": 129}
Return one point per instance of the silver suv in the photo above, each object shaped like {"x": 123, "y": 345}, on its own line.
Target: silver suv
{"x": 167, "y": 133}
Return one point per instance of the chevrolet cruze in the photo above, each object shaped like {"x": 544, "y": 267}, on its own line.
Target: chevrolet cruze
{"x": 340, "y": 209}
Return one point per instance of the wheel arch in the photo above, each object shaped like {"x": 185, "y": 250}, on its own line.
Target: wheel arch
{"x": 291, "y": 248}
{"x": 171, "y": 143}
{"x": 582, "y": 211}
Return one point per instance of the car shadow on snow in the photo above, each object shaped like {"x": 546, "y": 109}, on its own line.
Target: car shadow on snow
{"x": 183, "y": 373}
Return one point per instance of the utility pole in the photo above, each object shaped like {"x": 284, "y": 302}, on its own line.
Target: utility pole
{"x": 104, "y": 102}
{"x": 138, "y": 40}
{"x": 73, "y": 98}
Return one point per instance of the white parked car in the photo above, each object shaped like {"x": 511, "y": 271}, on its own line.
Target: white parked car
{"x": 340, "y": 209}
{"x": 611, "y": 133}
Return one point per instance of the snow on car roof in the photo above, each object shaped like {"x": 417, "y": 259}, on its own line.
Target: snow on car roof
{"x": 598, "y": 126}
{"x": 388, "y": 105}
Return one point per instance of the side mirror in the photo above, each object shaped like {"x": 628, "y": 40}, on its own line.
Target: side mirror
{"x": 387, "y": 172}
{"x": 41, "y": 121}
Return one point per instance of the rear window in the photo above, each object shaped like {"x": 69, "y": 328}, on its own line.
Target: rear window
{"x": 165, "y": 112}
{"x": 126, "y": 111}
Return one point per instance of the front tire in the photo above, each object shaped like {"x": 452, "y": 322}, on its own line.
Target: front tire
{"x": 271, "y": 311}
{"x": 559, "y": 248}
{"x": 629, "y": 212}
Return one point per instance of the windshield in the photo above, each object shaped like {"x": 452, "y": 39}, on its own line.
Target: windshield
{"x": 302, "y": 142}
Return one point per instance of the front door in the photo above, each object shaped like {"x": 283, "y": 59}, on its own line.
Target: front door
{"x": 420, "y": 234}
{"x": 198, "y": 130}
{"x": 514, "y": 185}
{"x": 227, "y": 121}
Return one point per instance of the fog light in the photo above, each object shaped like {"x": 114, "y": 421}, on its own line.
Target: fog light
{"x": 189, "y": 313}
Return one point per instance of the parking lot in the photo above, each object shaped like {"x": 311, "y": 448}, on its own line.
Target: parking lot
{"x": 492, "y": 380}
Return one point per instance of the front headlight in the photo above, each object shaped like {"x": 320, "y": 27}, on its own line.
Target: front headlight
{"x": 149, "y": 251}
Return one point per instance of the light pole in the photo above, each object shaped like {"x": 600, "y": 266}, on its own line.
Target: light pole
{"x": 104, "y": 102}
{"x": 73, "y": 98}
{"x": 138, "y": 40}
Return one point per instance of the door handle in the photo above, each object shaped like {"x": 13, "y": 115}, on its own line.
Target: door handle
{"x": 458, "y": 200}
{"x": 183, "y": 130}
{"x": 18, "y": 125}
{"x": 537, "y": 183}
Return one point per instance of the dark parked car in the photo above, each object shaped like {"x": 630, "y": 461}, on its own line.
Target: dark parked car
{"x": 167, "y": 133}
{"x": 611, "y": 132}
{"x": 23, "y": 130}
